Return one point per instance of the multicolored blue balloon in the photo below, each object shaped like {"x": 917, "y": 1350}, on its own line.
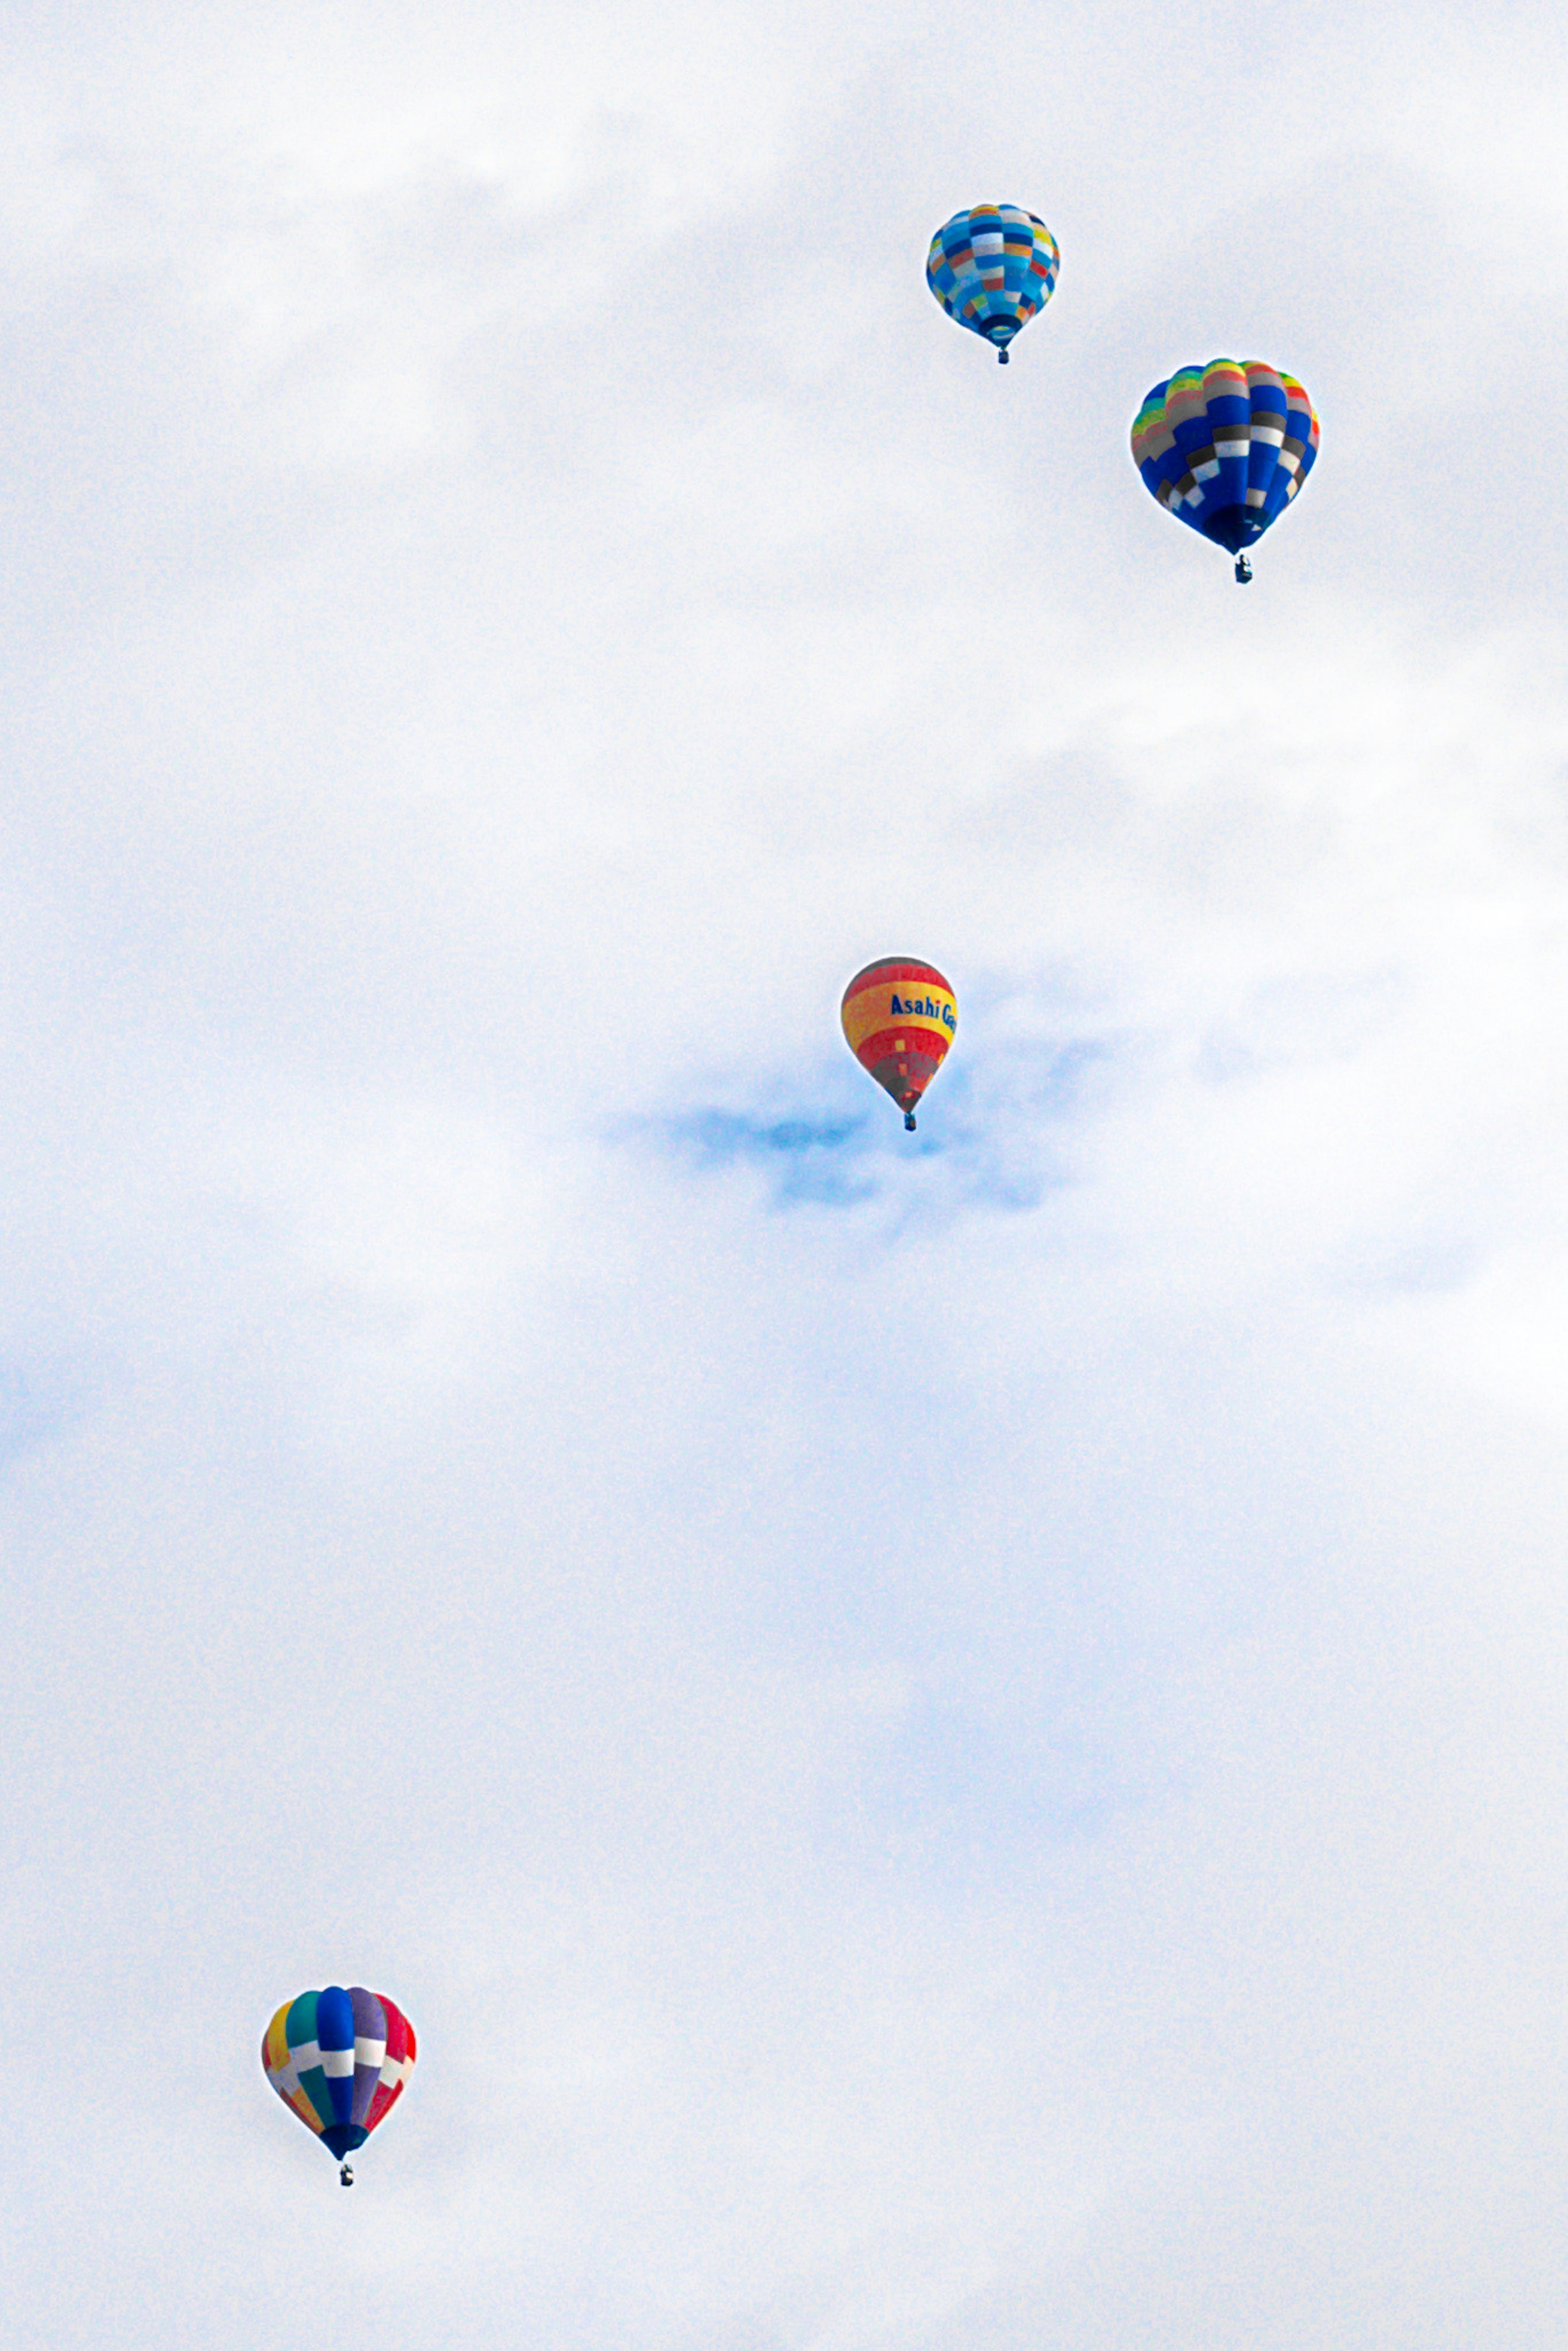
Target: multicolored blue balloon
{"x": 1225, "y": 447}
{"x": 340, "y": 2059}
{"x": 992, "y": 268}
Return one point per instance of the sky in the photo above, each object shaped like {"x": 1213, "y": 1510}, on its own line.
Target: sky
{"x": 955, "y": 1743}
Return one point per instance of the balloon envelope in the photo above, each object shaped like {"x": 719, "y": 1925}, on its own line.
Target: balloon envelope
{"x": 992, "y": 268}
{"x": 340, "y": 2059}
{"x": 900, "y": 1018}
{"x": 1225, "y": 447}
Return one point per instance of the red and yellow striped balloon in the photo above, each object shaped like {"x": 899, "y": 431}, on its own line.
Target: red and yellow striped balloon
{"x": 900, "y": 1016}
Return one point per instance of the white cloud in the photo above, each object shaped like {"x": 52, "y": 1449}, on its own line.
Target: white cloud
{"x": 949, "y": 1742}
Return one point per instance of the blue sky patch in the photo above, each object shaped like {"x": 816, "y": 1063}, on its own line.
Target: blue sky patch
{"x": 34, "y": 1405}
{"x": 812, "y": 1157}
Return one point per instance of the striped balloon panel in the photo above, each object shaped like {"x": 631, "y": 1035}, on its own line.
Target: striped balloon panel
{"x": 338, "y": 2059}
{"x": 396, "y": 2065}
{"x": 900, "y": 1016}
{"x": 283, "y": 2074}
{"x": 1225, "y": 447}
{"x": 992, "y": 268}
{"x": 370, "y": 2050}
{"x": 305, "y": 2051}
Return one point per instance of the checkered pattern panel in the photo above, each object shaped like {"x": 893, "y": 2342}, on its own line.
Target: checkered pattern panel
{"x": 1225, "y": 447}
{"x": 991, "y": 268}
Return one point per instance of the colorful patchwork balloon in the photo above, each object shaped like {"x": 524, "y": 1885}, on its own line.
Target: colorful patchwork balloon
{"x": 992, "y": 268}
{"x": 1227, "y": 448}
{"x": 340, "y": 2059}
{"x": 900, "y": 1018}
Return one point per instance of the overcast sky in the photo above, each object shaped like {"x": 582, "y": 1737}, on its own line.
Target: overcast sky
{"x": 953, "y": 1743}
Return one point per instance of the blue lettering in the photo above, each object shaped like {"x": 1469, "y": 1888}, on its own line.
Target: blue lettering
{"x": 923, "y": 1008}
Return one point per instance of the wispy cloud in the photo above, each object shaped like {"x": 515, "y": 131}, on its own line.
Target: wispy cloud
{"x": 515, "y": 594}
{"x": 994, "y": 1135}
{"x": 806, "y": 1159}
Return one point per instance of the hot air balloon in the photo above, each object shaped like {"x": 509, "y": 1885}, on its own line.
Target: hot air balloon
{"x": 1227, "y": 448}
{"x": 899, "y": 1016}
{"x": 340, "y": 2059}
{"x": 992, "y": 268}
